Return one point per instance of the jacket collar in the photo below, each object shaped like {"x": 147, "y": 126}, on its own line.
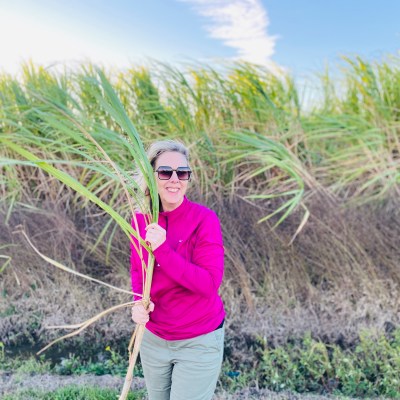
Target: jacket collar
{"x": 182, "y": 208}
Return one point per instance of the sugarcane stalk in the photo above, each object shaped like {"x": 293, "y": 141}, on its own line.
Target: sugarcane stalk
{"x": 137, "y": 335}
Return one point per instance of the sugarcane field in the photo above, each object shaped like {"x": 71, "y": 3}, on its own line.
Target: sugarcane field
{"x": 308, "y": 199}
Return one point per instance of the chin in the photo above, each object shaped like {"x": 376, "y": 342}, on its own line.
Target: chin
{"x": 173, "y": 203}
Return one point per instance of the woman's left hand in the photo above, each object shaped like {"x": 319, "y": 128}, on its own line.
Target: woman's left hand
{"x": 155, "y": 235}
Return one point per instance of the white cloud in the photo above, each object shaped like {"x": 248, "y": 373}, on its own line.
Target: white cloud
{"x": 240, "y": 24}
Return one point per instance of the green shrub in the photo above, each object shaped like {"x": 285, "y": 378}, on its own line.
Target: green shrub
{"x": 21, "y": 365}
{"x": 371, "y": 369}
{"x": 112, "y": 363}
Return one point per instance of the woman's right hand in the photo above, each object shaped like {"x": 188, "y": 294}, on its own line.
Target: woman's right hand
{"x": 139, "y": 313}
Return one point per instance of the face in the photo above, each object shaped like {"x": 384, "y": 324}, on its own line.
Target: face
{"x": 173, "y": 190}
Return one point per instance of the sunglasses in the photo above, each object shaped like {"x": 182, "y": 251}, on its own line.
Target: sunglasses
{"x": 165, "y": 173}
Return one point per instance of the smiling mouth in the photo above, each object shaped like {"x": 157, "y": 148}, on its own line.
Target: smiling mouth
{"x": 172, "y": 190}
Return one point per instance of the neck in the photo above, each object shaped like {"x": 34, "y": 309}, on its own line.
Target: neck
{"x": 171, "y": 207}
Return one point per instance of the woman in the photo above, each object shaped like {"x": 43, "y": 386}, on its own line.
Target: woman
{"x": 182, "y": 347}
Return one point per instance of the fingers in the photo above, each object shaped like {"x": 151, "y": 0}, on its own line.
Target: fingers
{"x": 155, "y": 235}
{"x": 151, "y": 306}
{"x": 140, "y": 315}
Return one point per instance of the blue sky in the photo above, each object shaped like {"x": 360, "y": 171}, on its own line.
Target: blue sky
{"x": 298, "y": 35}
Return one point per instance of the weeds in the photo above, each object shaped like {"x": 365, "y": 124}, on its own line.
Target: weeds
{"x": 371, "y": 369}
{"x": 72, "y": 393}
{"x": 111, "y": 362}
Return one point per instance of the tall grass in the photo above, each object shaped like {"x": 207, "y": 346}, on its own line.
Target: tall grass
{"x": 354, "y": 138}
{"x": 349, "y": 145}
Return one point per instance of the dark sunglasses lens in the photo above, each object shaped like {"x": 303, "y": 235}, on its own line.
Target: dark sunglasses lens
{"x": 183, "y": 175}
{"x": 164, "y": 174}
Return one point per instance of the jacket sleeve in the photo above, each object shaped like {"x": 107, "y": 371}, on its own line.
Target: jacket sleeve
{"x": 136, "y": 276}
{"x": 136, "y": 267}
{"x": 204, "y": 274}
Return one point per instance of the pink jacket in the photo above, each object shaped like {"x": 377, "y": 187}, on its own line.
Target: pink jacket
{"x": 187, "y": 274}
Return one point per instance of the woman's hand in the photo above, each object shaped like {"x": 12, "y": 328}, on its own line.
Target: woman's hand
{"x": 155, "y": 235}
{"x": 139, "y": 314}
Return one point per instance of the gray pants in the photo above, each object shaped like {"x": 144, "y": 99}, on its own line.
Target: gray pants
{"x": 182, "y": 369}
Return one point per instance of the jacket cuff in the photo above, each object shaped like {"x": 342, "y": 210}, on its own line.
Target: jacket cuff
{"x": 164, "y": 248}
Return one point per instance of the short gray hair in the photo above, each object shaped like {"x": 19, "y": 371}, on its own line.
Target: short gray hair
{"x": 163, "y": 146}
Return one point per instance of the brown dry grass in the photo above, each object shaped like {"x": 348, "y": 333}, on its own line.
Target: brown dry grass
{"x": 340, "y": 276}
{"x": 36, "y": 295}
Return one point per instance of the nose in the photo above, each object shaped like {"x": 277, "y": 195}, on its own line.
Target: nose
{"x": 174, "y": 177}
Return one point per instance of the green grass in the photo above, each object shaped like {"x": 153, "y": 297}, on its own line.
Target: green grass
{"x": 112, "y": 363}
{"x": 72, "y": 393}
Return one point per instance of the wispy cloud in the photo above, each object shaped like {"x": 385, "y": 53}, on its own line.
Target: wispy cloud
{"x": 240, "y": 24}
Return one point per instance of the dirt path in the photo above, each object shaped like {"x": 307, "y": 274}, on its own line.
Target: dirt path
{"x": 12, "y": 382}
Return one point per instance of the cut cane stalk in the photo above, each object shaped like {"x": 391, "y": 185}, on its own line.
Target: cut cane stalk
{"x": 64, "y": 268}
{"x": 137, "y": 336}
{"x": 83, "y": 325}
